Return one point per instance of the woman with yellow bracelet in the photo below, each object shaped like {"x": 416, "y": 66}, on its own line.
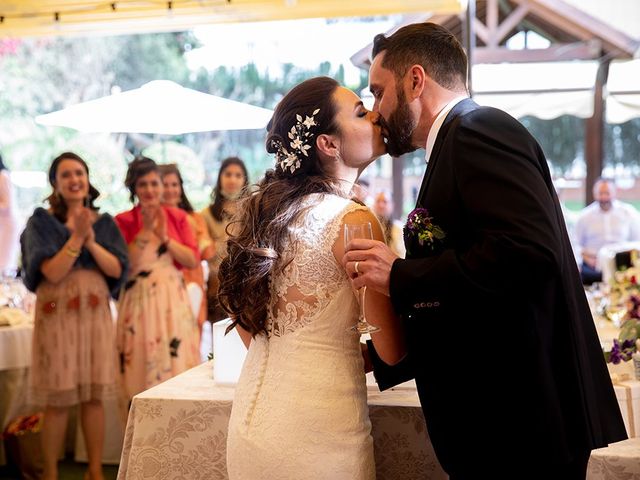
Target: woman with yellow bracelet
{"x": 74, "y": 259}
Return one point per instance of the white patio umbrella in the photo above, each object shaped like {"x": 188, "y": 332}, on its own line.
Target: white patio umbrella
{"x": 162, "y": 107}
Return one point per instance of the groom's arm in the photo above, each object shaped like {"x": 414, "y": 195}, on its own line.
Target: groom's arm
{"x": 388, "y": 376}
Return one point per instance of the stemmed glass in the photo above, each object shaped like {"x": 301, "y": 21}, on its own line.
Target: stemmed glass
{"x": 616, "y": 311}
{"x": 351, "y": 231}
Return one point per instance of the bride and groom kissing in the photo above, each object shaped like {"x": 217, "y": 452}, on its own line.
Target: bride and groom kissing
{"x": 487, "y": 311}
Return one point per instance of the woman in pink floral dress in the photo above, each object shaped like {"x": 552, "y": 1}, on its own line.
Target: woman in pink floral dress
{"x": 157, "y": 334}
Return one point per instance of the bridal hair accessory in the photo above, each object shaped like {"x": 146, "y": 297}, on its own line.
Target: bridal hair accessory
{"x": 264, "y": 252}
{"x": 290, "y": 159}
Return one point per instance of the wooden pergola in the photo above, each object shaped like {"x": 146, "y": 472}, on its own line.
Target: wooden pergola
{"x": 484, "y": 28}
{"x": 573, "y": 35}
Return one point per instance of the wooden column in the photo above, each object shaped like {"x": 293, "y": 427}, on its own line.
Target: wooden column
{"x": 470, "y": 39}
{"x": 397, "y": 164}
{"x": 594, "y": 132}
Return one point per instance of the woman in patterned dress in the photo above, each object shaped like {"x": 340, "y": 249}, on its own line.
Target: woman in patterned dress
{"x": 157, "y": 335}
{"x": 73, "y": 258}
{"x": 175, "y": 196}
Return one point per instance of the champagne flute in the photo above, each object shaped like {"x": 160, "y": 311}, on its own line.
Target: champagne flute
{"x": 351, "y": 231}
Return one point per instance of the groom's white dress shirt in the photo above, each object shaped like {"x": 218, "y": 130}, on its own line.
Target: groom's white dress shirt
{"x": 437, "y": 123}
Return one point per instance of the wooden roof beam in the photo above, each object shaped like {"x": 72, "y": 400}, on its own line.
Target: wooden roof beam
{"x": 482, "y": 32}
{"x": 581, "y": 25}
{"x": 511, "y": 22}
{"x": 560, "y": 52}
{"x": 492, "y": 22}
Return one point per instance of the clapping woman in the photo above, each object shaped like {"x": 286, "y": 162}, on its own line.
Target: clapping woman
{"x": 73, "y": 258}
{"x": 157, "y": 333}
{"x": 175, "y": 196}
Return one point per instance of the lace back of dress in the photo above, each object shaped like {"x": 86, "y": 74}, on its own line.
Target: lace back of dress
{"x": 307, "y": 283}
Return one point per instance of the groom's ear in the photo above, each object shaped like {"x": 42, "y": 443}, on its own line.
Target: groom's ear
{"x": 417, "y": 80}
{"x": 327, "y": 145}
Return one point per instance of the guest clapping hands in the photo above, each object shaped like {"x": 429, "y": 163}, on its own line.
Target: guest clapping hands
{"x": 175, "y": 196}
{"x": 157, "y": 334}
{"x": 72, "y": 259}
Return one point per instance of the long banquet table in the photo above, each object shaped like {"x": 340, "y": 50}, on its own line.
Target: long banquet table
{"x": 178, "y": 429}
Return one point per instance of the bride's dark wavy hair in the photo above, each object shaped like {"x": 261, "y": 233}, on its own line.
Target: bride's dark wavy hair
{"x": 259, "y": 232}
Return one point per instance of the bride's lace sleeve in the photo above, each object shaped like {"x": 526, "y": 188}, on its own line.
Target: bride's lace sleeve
{"x": 306, "y": 285}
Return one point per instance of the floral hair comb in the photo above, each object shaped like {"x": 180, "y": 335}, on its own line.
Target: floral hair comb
{"x": 290, "y": 159}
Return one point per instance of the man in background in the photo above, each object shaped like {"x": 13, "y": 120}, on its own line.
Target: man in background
{"x": 604, "y": 222}
{"x": 383, "y": 208}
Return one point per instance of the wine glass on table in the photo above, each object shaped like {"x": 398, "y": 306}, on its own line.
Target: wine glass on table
{"x": 616, "y": 311}
{"x": 353, "y": 231}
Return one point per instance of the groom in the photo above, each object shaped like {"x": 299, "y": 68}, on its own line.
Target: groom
{"x": 500, "y": 340}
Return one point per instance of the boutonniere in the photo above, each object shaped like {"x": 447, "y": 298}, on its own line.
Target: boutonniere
{"x": 420, "y": 228}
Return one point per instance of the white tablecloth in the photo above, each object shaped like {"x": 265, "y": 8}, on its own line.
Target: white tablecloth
{"x": 15, "y": 360}
{"x": 619, "y": 461}
{"x": 15, "y": 346}
{"x": 178, "y": 429}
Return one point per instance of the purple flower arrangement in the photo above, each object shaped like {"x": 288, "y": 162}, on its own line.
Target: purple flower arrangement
{"x": 628, "y": 340}
{"x": 420, "y": 228}
{"x": 620, "y": 352}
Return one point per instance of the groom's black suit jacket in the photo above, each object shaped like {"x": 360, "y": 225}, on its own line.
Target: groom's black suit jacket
{"x": 500, "y": 338}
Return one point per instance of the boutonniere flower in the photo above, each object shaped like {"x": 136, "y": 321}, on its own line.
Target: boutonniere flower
{"x": 420, "y": 228}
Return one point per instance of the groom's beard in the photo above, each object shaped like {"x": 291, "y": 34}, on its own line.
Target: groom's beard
{"x": 399, "y": 128}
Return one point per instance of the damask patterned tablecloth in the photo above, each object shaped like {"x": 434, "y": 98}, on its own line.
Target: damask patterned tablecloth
{"x": 178, "y": 429}
{"x": 619, "y": 461}
{"x": 15, "y": 346}
{"x": 15, "y": 358}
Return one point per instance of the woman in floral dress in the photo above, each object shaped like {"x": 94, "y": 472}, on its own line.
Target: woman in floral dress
{"x": 157, "y": 334}
{"x": 175, "y": 196}
{"x": 73, "y": 258}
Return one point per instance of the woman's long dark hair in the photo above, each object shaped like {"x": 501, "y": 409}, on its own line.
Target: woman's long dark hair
{"x": 260, "y": 228}
{"x": 2, "y": 165}
{"x": 217, "y": 199}
{"x": 56, "y": 202}
{"x": 168, "y": 169}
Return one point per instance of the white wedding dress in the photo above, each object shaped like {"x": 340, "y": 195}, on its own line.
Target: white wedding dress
{"x": 300, "y": 409}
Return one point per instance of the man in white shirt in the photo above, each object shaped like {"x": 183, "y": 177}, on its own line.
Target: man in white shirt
{"x": 606, "y": 221}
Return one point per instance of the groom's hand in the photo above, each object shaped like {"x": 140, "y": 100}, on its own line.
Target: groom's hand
{"x": 368, "y": 264}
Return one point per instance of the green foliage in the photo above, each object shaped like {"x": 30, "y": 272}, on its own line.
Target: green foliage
{"x": 143, "y": 58}
{"x": 561, "y": 139}
{"x": 622, "y": 144}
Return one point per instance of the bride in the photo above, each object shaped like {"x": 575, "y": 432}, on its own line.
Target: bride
{"x": 300, "y": 410}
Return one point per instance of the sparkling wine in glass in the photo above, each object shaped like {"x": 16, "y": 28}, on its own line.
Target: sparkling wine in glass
{"x": 352, "y": 231}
